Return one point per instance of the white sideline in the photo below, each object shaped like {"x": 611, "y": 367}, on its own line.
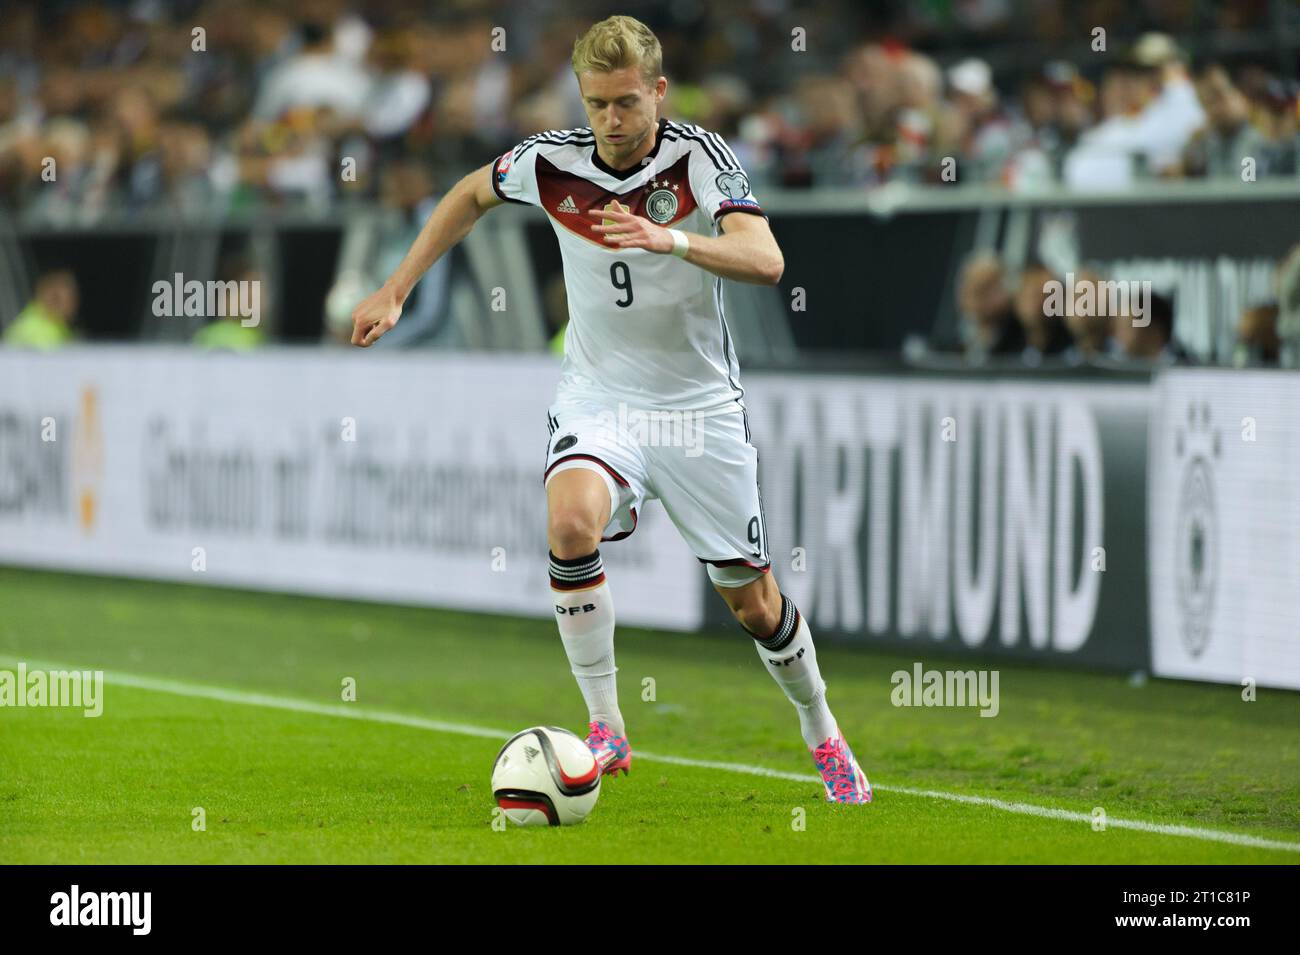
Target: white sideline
{"x": 350, "y": 711}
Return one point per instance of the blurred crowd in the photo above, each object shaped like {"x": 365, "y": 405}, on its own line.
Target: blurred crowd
{"x": 227, "y": 104}
{"x": 177, "y": 106}
{"x": 1011, "y": 317}
{"x": 1149, "y": 114}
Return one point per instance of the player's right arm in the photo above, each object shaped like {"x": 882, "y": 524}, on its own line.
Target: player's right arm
{"x": 451, "y": 220}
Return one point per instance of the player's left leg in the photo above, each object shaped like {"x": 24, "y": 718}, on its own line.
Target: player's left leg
{"x": 709, "y": 487}
{"x": 785, "y": 646}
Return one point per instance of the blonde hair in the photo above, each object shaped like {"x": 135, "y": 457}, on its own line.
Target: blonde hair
{"x": 616, "y": 43}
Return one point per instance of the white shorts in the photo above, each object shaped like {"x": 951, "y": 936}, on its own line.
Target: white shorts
{"x": 703, "y": 469}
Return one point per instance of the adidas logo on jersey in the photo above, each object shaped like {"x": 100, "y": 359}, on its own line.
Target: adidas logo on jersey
{"x": 568, "y": 205}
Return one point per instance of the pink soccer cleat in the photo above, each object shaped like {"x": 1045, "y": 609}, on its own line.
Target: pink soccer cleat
{"x": 612, "y": 752}
{"x": 844, "y": 779}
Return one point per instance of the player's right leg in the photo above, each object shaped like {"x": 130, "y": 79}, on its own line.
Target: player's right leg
{"x": 579, "y": 502}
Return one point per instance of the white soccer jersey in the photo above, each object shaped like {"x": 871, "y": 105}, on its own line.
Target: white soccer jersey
{"x": 645, "y": 328}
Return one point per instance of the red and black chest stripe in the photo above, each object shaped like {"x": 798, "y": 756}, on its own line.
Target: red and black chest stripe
{"x": 664, "y": 199}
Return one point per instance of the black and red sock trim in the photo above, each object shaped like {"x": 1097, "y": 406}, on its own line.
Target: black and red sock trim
{"x": 578, "y": 573}
{"x": 785, "y": 630}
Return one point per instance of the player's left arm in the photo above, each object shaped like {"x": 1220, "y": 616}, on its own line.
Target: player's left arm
{"x": 745, "y": 251}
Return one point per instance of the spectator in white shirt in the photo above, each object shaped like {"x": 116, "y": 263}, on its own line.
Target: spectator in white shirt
{"x": 316, "y": 77}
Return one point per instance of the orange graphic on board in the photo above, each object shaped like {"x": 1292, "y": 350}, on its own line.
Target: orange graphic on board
{"x": 88, "y": 458}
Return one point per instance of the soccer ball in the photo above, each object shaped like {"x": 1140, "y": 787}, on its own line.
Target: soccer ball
{"x": 545, "y": 776}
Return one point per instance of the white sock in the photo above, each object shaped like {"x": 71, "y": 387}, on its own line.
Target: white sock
{"x": 790, "y": 657}
{"x": 584, "y": 611}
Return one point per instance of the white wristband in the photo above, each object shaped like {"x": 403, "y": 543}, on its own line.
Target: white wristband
{"x": 681, "y": 244}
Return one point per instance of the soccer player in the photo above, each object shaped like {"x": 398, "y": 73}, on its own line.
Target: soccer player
{"x": 650, "y": 215}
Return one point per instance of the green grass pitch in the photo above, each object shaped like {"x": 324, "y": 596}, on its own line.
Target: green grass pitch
{"x": 278, "y": 784}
